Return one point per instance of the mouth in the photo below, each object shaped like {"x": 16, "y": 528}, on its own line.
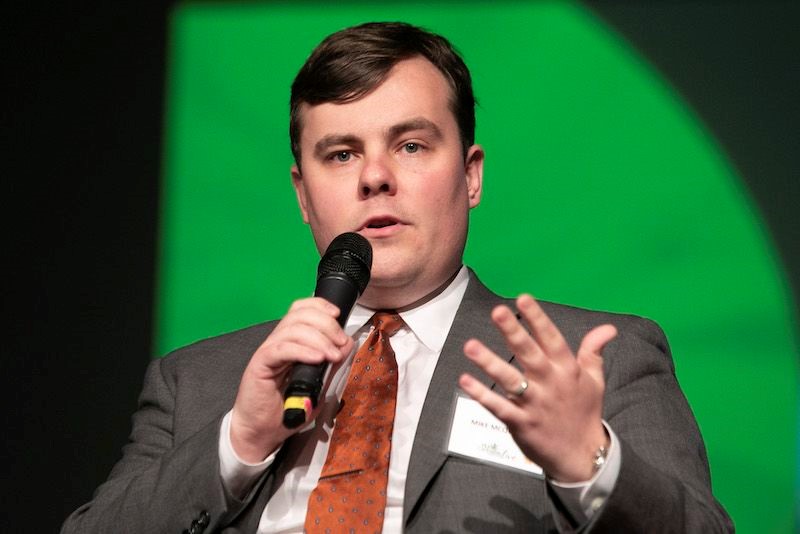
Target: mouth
{"x": 379, "y": 225}
{"x": 380, "y": 222}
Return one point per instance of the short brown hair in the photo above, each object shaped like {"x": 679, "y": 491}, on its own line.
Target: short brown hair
{"x": 352, "y": 62}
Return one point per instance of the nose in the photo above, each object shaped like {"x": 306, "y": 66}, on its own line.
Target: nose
{"x": 377, "y": 177}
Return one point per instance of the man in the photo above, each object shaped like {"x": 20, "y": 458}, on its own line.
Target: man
{"x": 382, "y": 130}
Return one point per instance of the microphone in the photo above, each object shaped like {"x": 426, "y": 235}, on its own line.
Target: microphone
{"x": 342, "y": 276}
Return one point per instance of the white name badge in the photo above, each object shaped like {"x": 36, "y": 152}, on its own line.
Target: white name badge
{"x": 476, "y": 433}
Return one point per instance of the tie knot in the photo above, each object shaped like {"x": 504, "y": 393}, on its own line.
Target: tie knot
{"x": 388, "y": 322}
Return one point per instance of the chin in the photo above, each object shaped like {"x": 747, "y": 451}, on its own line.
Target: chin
{"x": 393, "y": 270}
{"x": 388, "y": 279}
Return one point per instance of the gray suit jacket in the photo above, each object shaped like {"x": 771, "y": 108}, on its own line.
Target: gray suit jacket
{"x": 168, "y": 476}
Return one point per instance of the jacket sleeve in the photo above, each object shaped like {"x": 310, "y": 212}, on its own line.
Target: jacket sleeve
{"x": 161, "y": 485}
{"x": 664, "y": 484}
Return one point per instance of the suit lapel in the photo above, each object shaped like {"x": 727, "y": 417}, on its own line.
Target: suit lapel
{"x": 429, "y": 451}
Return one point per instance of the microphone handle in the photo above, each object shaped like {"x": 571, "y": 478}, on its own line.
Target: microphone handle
{"x": 305, "y": 381}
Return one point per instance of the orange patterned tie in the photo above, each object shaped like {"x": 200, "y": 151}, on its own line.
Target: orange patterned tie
{"x": 350, "y": 496}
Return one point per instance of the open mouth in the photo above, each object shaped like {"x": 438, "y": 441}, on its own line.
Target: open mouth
{"x": 380, "y": 222}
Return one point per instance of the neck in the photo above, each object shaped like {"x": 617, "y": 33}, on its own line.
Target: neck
{"x": 395, "y": 304}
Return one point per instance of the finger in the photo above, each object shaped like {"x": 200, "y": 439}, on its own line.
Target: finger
{"x": 314, "y": 303}
{"x": 502, "y": 373}
{"x": 590, "y": 353}
{"x": 317, "y": 303}
{"x": 316, "y": 318}
{"x": 322, "y": 339}
{"x": 288, "y": 352}
{"x": 300, "y": 342}
{"x": 502, "y": 408}
{"x": 544, "y": 332}
{"x": 519, "y": 341}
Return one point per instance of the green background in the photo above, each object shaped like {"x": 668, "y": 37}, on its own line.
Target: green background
{"x": 602, "y": 190}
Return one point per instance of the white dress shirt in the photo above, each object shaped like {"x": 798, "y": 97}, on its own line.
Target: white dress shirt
{"x": 417, "y": 346}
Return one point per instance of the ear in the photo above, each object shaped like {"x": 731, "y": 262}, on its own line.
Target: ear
{"x": 300, "y": 191}
{"x": 473, "y": 168}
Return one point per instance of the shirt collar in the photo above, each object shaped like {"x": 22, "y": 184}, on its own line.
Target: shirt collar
{"x": 430, "y": 321}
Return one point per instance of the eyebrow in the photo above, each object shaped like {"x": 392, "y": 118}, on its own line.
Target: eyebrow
{"x": 322, "y": 146}
{"x": 417, "y": 123}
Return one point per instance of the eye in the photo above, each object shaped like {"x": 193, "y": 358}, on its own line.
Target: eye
{"x": 342, "y": 157}
{"x": 411, "y": 148}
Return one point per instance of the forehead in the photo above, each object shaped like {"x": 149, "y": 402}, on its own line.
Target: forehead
{"x": 413, "y": 88}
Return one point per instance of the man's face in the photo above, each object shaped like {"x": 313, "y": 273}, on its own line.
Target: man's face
{"x": 390, "y": 166}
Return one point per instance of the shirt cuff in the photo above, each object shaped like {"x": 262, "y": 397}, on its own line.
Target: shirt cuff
{"x": 583, "y": 499}
{"x": 237, "y": 475}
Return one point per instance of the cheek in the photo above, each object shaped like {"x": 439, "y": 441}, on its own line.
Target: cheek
{"x": 443, "y": 197}
{"x": 325, "y": 204}
{"x": 333, "y": 213}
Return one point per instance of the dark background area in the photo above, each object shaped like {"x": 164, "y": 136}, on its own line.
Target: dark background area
{"x": 83, "y": 141}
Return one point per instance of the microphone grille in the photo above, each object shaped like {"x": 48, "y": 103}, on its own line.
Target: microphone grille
{"x": 349, "y": 254}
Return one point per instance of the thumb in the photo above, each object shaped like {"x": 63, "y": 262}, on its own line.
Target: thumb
{"x": 590, "y": 357}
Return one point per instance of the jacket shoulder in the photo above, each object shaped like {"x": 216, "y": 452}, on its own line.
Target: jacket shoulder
{"x": 218, "y": 350}
{"x": 562, "y": 313}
